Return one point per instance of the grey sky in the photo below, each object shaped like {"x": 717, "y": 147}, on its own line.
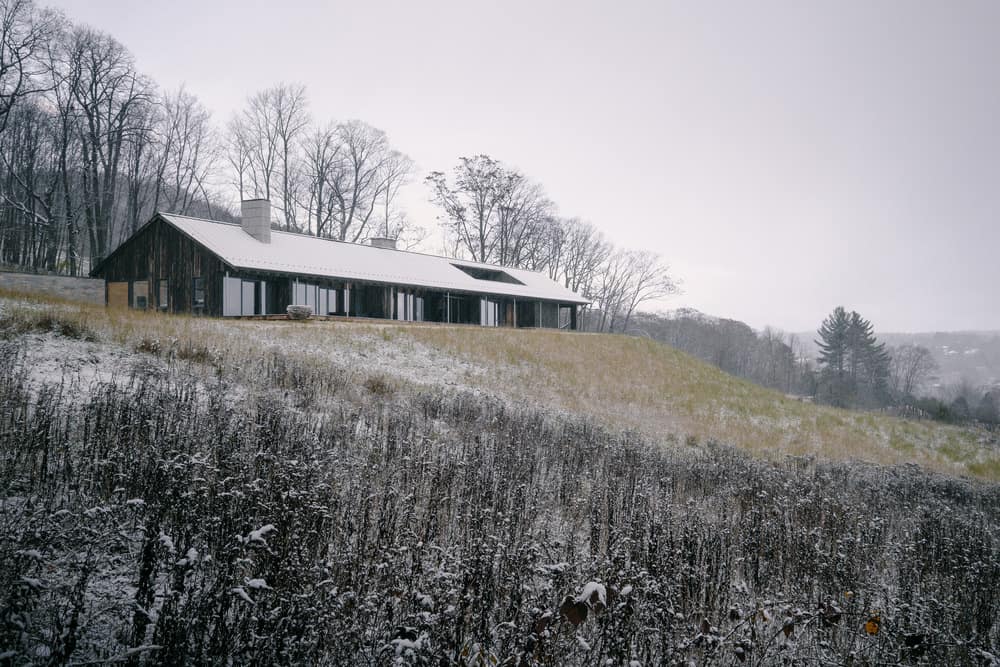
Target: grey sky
{"x": 785, "y": 157}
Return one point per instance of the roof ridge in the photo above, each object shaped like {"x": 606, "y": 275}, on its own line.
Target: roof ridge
{"x": 361, "y": 245}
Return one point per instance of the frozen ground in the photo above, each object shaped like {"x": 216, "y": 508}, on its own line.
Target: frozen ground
{"x": 77, "y": 365}
{"x": 375, "y": 350}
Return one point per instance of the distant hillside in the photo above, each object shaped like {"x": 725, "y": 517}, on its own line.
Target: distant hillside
{"x": 970, "y": 356}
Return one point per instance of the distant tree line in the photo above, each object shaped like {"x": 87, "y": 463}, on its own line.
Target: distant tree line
{"x": 853, "y": 369}
{"x": 769, "y": 358}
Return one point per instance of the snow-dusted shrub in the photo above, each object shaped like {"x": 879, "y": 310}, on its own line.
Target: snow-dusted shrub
{"x": 168, "y": 523}
{"x": 299, "y": 312}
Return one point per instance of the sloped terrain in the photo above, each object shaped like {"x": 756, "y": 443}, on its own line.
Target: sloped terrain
{"x": 621, "y": 382}
{"x": 184, "y": 491}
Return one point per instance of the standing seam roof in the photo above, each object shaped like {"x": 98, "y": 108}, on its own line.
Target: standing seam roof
{"x": 312, "y": 256}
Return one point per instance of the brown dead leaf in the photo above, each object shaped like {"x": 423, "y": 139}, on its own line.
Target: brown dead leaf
{"x": 574, "y": 612}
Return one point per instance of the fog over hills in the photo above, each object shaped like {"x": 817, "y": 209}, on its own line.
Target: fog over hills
{"x": 972, "y": 357}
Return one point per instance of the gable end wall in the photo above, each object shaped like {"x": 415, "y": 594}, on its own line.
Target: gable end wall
{"x": 160, "y": 251}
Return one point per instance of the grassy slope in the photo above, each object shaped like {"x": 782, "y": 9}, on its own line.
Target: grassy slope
{"x": 621, "y": 381}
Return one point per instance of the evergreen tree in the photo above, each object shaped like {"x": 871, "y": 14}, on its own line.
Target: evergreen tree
{"x": 854, "y": 365}
{"x": 869, "y": 362}
{"x": 834, "y": 346}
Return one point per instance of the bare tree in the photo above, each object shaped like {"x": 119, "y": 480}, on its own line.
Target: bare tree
{"x": 187, "y": 152}
{"x": 361, "y": 178}
{"x": 909, "y": 368}
{"x": 25, "y": 32}
{"x": 470, "y": 204}
{"x": 140, "y": 164}
{"x": 28, "y": 189}
{"x": 109, "y": 93}
{"x": 523, "y": 216}
{"x": 69, "y": 147}
{"x": 254, "y": 136}
{"x": 396, "y": 171}
{"x": 495, "y": 213}
{"x": 578, "y": 251}
{"x": 647, "y": 279}
{"x": 350, "y": 178}
{"x": 321, "y": 157}
{"x": 610, "y": 290}
{"x": 291, "y": 119}
{"x": 628, "y": 279}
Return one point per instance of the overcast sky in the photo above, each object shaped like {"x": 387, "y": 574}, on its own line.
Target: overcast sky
{"x": 784, "y": 157}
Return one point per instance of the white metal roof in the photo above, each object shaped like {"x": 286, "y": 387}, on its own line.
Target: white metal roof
{"x": 312, "y": 256}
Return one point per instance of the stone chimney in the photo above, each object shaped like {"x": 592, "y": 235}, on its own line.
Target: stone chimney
{"x": 257, "y": 218}
{"x": 382, "y": 242}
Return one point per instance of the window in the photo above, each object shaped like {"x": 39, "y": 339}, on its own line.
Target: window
{"x": 486, "y": 273}
{"x": 140, "y": 294}
{"x": 163, "y": 294}
{"x": 198, "y": 294}
{"x": 243, "y": 297}
{"x": 232, "y": 297}
{"x": 249, "y": 298}
{"x": 488, "y": 312}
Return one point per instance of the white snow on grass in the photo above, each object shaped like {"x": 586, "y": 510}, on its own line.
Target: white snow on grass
{"x": 77, "y": 365}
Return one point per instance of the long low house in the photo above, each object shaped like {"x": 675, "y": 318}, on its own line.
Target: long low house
{"x": 179, "y": 264}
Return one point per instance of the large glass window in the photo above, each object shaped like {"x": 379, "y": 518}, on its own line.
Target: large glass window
{"x": 232, "y": 297}
{"x": 249, "y": 292}
{"x": 488, "y": 312}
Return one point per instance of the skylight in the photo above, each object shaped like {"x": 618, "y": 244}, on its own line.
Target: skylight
{"x": 483, "y": 273}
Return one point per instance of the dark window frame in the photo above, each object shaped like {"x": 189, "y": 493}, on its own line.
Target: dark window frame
{"x": 163, "y": 294}
{"x": 197, "y": 286}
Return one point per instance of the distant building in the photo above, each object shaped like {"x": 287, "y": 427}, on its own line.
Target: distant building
{"x": 179, "y": 264}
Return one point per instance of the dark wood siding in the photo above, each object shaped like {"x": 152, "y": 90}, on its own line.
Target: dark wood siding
{"x": 160, "y": 252}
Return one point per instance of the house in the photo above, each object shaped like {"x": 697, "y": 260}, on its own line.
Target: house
{"x": 180, "y": 264}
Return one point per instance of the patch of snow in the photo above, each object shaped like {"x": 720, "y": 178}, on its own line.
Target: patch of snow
{"x": 257, "y": 536}
{"x": 589, "y": 590}
{"x": 241, "y": 592}
{"x": 167, "y": 542}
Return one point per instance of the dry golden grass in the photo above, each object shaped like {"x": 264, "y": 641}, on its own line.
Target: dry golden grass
{"x": 638, "y": 383}
{"x": 623, "y": 382}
